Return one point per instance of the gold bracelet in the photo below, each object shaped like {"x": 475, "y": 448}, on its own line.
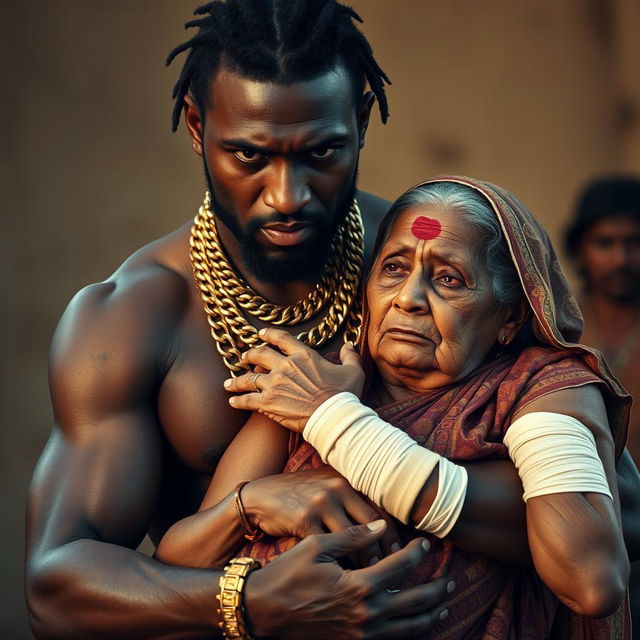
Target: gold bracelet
{"x": 232, "y": 613}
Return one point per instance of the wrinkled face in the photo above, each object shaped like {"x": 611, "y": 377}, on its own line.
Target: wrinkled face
{"x": 281, "y": 161}
{"x": 609, "y": 256}
{"x": 434, "y": 317}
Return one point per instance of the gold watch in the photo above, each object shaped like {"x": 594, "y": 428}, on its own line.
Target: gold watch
{"x": 232, "y": 613}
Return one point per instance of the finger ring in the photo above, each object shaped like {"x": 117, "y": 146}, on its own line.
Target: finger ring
{"x": 254, "y": 381}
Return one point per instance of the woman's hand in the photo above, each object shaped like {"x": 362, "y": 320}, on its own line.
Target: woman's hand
{"x": 292, "y": 384}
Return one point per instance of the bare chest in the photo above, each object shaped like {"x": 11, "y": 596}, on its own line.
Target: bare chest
{"x": 193, "y": 407}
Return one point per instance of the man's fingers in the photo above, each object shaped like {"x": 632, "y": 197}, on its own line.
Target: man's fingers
{"x": 394, "y": 568}
{"x": 391, "y": 541}
{"x": 412, "y": 627}
{"x": 407, "y": 602}
{"x": 341, "y": 543}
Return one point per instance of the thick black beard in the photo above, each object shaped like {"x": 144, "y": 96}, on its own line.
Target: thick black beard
{"x": 286, "y": 264}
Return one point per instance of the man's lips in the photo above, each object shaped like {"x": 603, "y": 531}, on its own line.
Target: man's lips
{"x": 286, "y": 235}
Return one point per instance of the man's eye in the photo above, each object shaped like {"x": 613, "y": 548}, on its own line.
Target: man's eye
{"x": 323, "y": 153}
{"x": 246, "y": 155}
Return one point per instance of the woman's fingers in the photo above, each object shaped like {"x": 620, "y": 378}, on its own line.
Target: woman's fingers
{"x": 264, "y": 357}
{"x": 246, "y": 402}
{"x": 283, "y": 340}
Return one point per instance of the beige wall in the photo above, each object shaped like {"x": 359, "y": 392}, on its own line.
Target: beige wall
{"x": 537, "y": 95}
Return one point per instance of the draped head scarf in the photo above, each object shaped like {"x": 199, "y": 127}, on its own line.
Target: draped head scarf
{"x": 556, "y": 318}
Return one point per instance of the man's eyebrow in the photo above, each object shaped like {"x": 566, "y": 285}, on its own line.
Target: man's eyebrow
{"x": 240, "y": 143}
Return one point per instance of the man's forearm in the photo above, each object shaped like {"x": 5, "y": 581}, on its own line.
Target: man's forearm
{"x": 92, "y": 589}
{"x": 493, "y": 518}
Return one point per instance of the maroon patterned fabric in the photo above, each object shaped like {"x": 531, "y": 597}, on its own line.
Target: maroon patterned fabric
{"x": 467, "y": 421}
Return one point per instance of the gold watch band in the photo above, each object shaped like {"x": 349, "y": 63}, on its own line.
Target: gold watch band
{"x": 232, "y": 613}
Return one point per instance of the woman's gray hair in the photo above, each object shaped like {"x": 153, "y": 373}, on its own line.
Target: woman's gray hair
{"x": 477, "y": 210}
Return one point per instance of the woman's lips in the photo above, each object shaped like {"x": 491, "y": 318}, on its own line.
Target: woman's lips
{"x": 409, "y": 335}
{"x": 287, "y": 236}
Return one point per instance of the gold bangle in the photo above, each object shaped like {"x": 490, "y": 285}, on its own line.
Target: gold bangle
{"x": 251, "y": 534}
{"x": 232, "y": 613}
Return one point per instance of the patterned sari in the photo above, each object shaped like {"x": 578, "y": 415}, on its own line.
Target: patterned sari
{"x": 467, "y": 421}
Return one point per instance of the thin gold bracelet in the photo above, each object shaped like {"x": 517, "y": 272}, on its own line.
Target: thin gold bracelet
{"x": 232, "y": 613}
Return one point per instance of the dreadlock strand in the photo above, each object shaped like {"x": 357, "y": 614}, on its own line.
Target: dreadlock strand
{"x": 257, "y": 18}
{"x": 293, "y": 20}
{"x": 205, "y": 8}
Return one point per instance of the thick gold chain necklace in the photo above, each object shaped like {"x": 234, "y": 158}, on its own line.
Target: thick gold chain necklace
{"x": 226, "y": 294}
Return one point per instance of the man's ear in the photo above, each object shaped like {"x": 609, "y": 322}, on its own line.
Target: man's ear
{"x": 193, "y": 122}
{"x": 517, "y": 315}
{"x": 363, "y": 115}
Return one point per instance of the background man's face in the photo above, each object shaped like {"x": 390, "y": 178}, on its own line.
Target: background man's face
{"x": 281, "y": 161}
{"x": 609, "y": 256}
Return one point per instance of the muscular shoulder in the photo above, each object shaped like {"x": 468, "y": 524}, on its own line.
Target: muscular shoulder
{"x": 114, "y": 340}
{"x": 373, "y": 210}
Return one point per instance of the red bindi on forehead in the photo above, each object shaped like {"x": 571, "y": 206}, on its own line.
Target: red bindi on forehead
{"x": 425, "y": 228}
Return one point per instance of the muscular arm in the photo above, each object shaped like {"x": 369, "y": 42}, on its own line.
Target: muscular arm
{"x": 95, "y": 488}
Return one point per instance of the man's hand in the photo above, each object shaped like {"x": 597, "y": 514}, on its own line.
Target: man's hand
{"x": 315, "y": 501}
{"x": 306, "y": 594}
{"x": 290, "y": 384}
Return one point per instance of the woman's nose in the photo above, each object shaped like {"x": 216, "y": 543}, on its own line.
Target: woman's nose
{"x": 412, "y": 296}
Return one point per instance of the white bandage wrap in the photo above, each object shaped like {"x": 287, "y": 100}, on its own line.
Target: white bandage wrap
{"x": 555, "y": 453}
{"x": 385, "y": 463}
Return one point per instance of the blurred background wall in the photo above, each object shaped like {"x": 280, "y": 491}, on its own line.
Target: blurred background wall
{"x": 536, "y": 95}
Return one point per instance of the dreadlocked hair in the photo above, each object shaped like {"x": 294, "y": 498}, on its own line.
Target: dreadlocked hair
{"x": 281, "y": 41}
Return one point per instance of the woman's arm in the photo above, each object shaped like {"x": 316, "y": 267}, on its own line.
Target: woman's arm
{"x": 209, "y": 537}
{"x": 575, "y": 538}
{"x": 293, "y": 504}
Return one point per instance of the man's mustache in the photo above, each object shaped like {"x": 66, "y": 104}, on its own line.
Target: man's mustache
{"x": 301, "y": 216}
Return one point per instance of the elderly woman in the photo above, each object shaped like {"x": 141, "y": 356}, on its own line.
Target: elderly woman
{"x": 469, "y": 344}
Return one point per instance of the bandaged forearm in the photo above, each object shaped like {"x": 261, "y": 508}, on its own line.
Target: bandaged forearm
{"x": 555, "y": 453}
{"x": 384, "y": 463}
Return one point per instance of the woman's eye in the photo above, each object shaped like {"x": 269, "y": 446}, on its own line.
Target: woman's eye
{"x": 323, "y": 153}
{"x": 391, "y": 267}
{"x": 249, "y": 156}
{"x": 449, "y": 280}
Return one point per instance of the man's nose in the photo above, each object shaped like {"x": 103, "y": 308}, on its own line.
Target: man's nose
{"x": 286, "y": 190}
{"x": 620, "y": 255}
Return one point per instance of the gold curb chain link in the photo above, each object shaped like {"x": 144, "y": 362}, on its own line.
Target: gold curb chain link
{"x": 225, "y": 294}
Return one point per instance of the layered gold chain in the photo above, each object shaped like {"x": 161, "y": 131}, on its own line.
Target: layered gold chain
{"x": 226, "y": 294}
